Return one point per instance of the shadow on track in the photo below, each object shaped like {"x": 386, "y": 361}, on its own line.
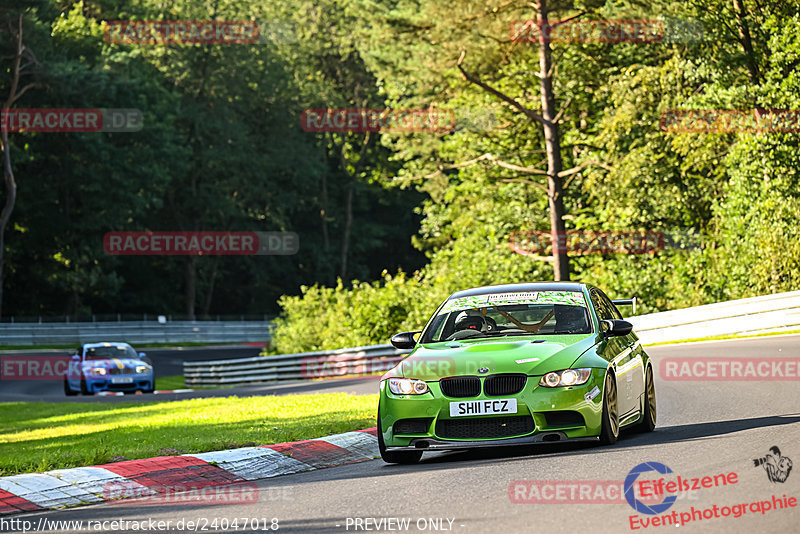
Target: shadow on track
{"x": 477, "y": 457}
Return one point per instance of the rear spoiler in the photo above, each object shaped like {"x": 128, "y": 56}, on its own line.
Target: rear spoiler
{"x": 626, "y": 302}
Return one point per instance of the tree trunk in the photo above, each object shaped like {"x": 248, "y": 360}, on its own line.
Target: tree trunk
{"x": 327, "y": 268}
{"x": 323, "y": 214}
{"x": 8, "y": 207}
{"x": 553, "y": 150}
{"x": 746, "y": 40}
{"x": 8, "y": 173}
{"x": 210, "y": 293}
{"x": 190, "y": 281}
{"x": 348, "y": 225}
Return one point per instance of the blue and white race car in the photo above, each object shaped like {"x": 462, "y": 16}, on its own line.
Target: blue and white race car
{"x": 99, "y": 367}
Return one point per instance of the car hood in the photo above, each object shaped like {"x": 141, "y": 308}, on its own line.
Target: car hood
{"x": 532, "y": 355}
{"x": 115, "y": 363}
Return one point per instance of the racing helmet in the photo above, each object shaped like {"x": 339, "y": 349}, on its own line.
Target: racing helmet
{"x": 470, "y": 320}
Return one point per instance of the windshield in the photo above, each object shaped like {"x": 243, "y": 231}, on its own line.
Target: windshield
{"x": 115, "y": 351}
{"x": 509, "y": 314}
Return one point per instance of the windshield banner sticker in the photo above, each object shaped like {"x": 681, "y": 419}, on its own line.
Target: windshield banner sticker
{"x": 574, "y": 298}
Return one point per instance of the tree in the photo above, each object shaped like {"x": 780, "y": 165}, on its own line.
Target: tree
{"x": 471, "y": 27}
{"x": 15, "y": 92}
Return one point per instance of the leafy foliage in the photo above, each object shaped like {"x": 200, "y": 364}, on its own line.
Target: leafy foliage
{"x": 733, "y": 194}
{"x": 392, "y": 223}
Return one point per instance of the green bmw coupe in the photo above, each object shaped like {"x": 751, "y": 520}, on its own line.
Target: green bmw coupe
{"x": 516, "y": 364}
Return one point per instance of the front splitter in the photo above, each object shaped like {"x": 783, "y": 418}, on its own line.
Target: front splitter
{"x": 543, "y": 438}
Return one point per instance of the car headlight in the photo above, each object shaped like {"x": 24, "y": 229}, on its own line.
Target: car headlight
{"x": 407, "y": 386}
{"x": 567, "y": 377}
{"x": 141, "y": 369}
{"x": 98, "y": 371}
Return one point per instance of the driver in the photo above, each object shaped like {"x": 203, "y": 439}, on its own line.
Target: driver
{"x": 471, "y": 320}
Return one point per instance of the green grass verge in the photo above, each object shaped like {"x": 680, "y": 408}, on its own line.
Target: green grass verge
{"x": 717, "y": 338}
{"x": 178, "y": 382}
{"x": 39, "y": 436}
{"x": 170, "y": 382}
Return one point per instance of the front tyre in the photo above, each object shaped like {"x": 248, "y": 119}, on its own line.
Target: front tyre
{"x": 68, "y": 390}
{"x": 609, "y": 431}
{"x": 395, "y": 457}
{"x": 648, "y": 422}
{"x": 84, "y": 387}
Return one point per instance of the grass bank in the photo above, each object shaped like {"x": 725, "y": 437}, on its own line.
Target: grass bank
{"x": 36, "y": 437}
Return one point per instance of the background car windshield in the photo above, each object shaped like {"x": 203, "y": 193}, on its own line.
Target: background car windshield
{"x": 104, "y": 353}
{"x": 496, "y": 315}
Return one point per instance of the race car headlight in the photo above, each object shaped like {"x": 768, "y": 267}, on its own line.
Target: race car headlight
{"x": 567, "y": 377}
{"x": 141, "y": 369}
{"x": 98, "y": 371}
{"x": 407, "y": 386}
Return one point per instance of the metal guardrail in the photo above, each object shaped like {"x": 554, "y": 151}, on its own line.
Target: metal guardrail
{"x": 769, "y": 313}
{"x": 307, "y": 365}
{"x": 133, "y": 332}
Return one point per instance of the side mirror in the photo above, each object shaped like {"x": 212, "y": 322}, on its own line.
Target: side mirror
{"x": 617, "y": 327}
{"x": 405, "y": 340}
{"x": 75, "y": 357}
{"x": 142, "y": 355}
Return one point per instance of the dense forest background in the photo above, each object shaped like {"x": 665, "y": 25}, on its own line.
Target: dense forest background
{"x": 391, "y": 223}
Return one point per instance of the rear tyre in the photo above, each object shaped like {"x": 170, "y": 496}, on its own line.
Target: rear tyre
{"x": 609, "y": 431}
{"x": 395, "y": 457}
{"x": 648, "y": 422}
{"x": 68, "y": 390}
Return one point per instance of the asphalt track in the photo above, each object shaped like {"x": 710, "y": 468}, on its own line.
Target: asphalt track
{"x": 704, "y": 429}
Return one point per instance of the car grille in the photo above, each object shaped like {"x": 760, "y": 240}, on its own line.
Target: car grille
{"x": 461, "y": 386}
{"x": 485, "y": 427}
{"x": 122, "y": 387}
{"x": 497, "y": 385}
{"x": 124, "y": 371}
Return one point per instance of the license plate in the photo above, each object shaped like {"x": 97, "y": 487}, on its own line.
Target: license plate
{"x": 483, "y": 407}
{"x": 122, "y": 380}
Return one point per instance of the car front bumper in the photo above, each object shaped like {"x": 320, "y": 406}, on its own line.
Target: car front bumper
{"x": 138, "y": 382}
{"x": 542, "y": 438}
{"x": 558, "y": 414}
